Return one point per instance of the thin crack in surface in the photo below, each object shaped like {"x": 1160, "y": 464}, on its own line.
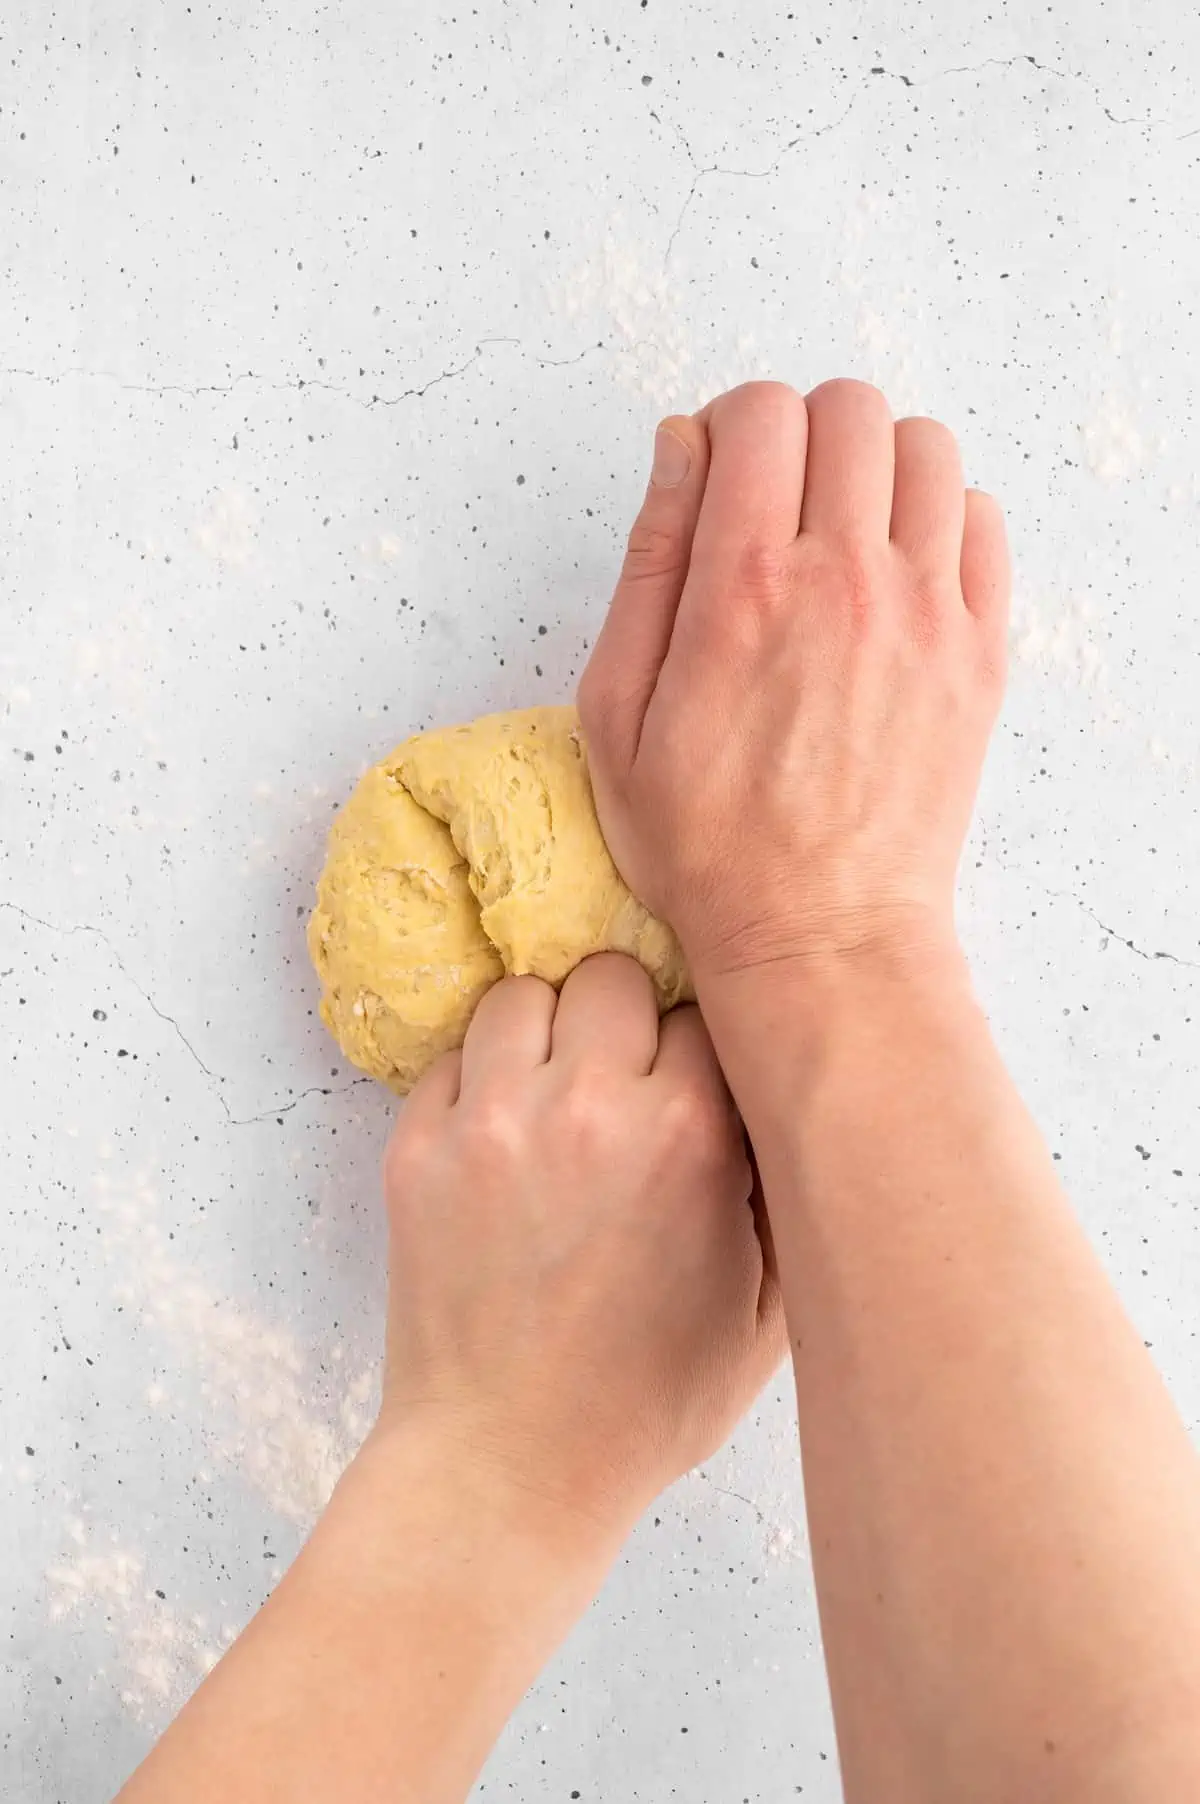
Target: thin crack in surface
{"x": 757, "y": 175}
{"x": 1151, "y": 957}
{"x": 1080, "y": 902}
{"x": 214, "y": 1077}
{"x": 1032, "y": 62}
{"x": 701, "y": 173}
{"x": 724, "y": 1491}
{"x": 297, "y": 385}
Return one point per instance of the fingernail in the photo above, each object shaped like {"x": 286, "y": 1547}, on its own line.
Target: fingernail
{"x": 672, "y": 459}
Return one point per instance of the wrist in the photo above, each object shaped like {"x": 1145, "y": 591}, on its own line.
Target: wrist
{"x": 416, "y": 1491}
{"x": 424, "y": 1605}
{"x": 793, "y": 1033}
{"x": 821, "y": 977}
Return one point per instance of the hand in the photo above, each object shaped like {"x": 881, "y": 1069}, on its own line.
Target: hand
{"x": 578, "y": 1291}
{"x": 787, "y": 710}
{"x": 580, "y": 1310}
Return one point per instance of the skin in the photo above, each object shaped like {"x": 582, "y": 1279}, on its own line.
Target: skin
{"x": 613, "y": 1319}
{"x": 786, "y": 715}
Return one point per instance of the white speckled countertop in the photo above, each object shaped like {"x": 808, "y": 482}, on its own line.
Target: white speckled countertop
{"x": 331, "y": 344}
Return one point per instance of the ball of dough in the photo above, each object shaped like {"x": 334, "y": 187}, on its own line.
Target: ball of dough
{"x": 469, "y": 852}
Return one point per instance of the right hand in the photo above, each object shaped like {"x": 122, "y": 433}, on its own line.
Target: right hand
{"x": 580, "y": 1302}
{"x": 787, "y": 710}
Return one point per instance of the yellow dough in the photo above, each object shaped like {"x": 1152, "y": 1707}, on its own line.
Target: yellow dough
{"x": 469, "y": 852}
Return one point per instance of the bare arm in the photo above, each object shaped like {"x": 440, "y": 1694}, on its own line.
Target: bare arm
{"x": 388, "y": 1660}
{"x": 787, "y": 713}
{"x": 1004, "y": 1506}
{"x": 579, "y": 1312}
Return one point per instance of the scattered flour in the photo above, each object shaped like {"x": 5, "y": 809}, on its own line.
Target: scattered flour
{"x": 382, "y": 548}
{"x": 632, "y": 306}
{"x": 1058, "y": 641}
{"x": 1113, "y": 447}
{"x": 226, "y": 528}
{"x": 261, "y": 1423}
{"x": 769, "y": 1486}
{"x": 119, "y": 661}
{"x": 885, "y": 355}
{"x": 160, "y": 1655}
{"x": 782, "y": 1543}
{"x": 255, "y": 1377}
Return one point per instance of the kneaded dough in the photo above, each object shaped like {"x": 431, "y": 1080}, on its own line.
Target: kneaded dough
{"x": 468, "y": 852}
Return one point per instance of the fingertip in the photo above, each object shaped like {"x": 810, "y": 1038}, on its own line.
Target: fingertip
{"x": 850, "y": 472}
{"x": 440, "y": 1082}
{"x": 680, "y": 452}
{"x": 985, "y": 567}
{"x": 683, "y": 1040}
{"x": 927, "y": 498}
{"x": 510, "y": 1029}
{"x": 607, "y": 1014}
{"x": 759, "y": 434}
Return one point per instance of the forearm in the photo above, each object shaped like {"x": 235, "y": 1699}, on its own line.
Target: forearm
{"x": 383, "y": 1668}
{"x": 1005, "y": 1509}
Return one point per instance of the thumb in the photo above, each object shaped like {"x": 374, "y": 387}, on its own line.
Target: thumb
{"x": 622, "y": 671}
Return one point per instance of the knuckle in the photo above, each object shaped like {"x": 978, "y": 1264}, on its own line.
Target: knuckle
{"x": 694, "y": 1123}
{"x": 932, "y": 612}
{"x": 590, "y": 1110}
{"x": 491, "y": 1127}
{"x": 764, "y": 571}
{"x": 653, "y": 550}
{"x": 856, "y": 582}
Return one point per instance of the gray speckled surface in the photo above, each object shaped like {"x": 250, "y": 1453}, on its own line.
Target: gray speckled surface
{"x": 331, "y": 343}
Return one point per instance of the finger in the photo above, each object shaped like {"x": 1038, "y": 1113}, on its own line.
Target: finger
{"x": 623, "y": 668}
{"x": 686, "y": 1055}
{"x": 758, "y": 435}
{"x": 509, "y": 1032}
{"x": 929, "y": 501}
{"x": 437, "y": 1090}
{"x": 984, "y": 567}
{"x": 607, "y": 1015}
{"x": 851, "y": 462}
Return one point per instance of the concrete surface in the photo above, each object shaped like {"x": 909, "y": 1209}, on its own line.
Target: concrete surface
{"x": 332, "y": 343}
